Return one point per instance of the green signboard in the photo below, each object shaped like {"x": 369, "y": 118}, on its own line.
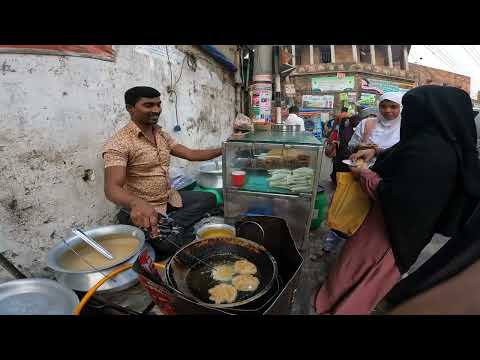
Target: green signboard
{"x": 333, "y": 83}
{"x": 367, "y": 99}
{"x": 382, "y": 86}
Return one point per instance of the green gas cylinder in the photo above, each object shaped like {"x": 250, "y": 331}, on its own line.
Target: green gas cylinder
{"x": 320, "y": 209}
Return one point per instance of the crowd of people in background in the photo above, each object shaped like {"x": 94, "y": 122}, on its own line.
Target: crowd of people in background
{"x": 421, "y": 171}
{"x": 416, "y": 156}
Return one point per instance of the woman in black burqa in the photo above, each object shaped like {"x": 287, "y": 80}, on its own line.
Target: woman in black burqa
{"x": 427, "y": 183}
{"x": 445, "y": 116}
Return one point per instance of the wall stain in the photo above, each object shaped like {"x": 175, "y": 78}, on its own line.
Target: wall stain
{"x": 6, "y": 68}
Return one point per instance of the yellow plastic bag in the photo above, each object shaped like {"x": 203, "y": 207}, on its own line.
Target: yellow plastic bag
{"x": 350, "y": 205}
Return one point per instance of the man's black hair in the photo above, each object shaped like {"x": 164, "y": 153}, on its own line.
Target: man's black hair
{"x": 344, "y": 109}
{"x": 136, "y": 93}
{"x": 293, "y": 109}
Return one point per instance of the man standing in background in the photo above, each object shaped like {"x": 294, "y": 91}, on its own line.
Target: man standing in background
{"x": 294, "y": 119}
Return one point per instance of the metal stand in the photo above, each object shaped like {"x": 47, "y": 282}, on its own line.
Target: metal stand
{"x": 7, "y": 265}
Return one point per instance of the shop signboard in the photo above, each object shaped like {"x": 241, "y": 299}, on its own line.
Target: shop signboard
{"x": 381, "y": 86}
{"x": 289, "y": 89}
{"x": 318, "y": 101}
{"x": 262, "y": 101}
{"x": 333, "y": 83}
{"x": 352, "y": 97}
{"x": 367, "y": 99}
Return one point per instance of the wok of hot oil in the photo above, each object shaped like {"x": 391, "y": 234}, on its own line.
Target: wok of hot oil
{"x": 199, "y": 278}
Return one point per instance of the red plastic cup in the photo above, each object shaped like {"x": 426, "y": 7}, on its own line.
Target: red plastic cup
{"x": 238, "y": 178}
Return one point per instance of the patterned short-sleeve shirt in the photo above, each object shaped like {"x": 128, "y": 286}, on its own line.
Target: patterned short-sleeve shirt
{"x": 147, "y": 164}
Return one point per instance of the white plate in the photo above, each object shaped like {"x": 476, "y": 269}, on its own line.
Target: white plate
{"x": 350, "y": 163}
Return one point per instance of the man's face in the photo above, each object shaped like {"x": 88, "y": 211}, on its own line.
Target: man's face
{"x": 146, "y": 111}
{"x": 389, "y": 109}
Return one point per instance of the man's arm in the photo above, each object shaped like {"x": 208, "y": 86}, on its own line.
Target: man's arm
{"x": 115, "y": 178}
{"x": 142, "y": 213}
{"x": 195, "y": 155}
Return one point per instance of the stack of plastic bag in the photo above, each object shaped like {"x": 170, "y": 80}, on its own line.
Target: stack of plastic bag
{"x": 299, "y": 180}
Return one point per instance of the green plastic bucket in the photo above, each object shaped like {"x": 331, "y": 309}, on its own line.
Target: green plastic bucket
{"x": 320, "y": 208}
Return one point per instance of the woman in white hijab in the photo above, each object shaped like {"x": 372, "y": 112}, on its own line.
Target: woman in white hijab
{"x": 383, "y": 131}
{"x": 376, "y": 135}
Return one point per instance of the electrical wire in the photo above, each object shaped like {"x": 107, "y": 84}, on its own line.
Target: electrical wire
{"x": 475, "y": 51}
{"x": 171, "y": 89}
{"x": 434, "y": 52}
{"x": 441, "y": 54}
{"x": 429, "y": 48}
{"x": 469, "y": 52}
{"x": 447, "y": 57}
{"x": 181, "y": 70}
{"x": 192, "y": 64}
{"x": 169, "y": 65}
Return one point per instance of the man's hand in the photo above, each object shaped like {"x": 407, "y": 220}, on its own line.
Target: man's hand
{"x": 144, "y": 215}
{"x": 367, "y": 155}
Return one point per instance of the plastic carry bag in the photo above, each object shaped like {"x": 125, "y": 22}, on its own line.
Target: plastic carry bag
{"x": 350, "y": 205}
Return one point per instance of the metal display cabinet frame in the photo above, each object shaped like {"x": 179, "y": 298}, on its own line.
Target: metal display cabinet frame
{"x": 297, "y": 201}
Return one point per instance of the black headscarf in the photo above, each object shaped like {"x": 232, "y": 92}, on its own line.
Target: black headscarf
{"x": 430, "y": 178}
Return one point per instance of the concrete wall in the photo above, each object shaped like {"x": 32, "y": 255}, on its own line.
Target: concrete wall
{"x": 56, "y": 114}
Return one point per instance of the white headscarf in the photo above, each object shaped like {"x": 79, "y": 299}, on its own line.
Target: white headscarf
{"x": 396, "y": 97}
{"x": 386, "y": 132}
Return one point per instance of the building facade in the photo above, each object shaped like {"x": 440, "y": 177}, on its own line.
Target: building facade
{"x": 328, "y": 77}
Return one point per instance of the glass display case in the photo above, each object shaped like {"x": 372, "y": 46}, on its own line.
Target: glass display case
{"x": 272, "y": 173}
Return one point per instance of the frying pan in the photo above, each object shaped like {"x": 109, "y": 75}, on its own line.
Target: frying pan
{"x": 179, "y": 267}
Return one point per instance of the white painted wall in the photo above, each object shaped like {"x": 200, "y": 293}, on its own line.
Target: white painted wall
{"x": 56, "y": 112}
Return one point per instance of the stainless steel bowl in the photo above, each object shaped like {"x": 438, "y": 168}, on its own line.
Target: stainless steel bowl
{"x": 36, "y": 297}
{"x": 84, "y": 280}
{"x": 211, "y": 175}
{"x": 208, "y": 220}
{"x": 208, "y": 227}
{"x": 286, "y": 128}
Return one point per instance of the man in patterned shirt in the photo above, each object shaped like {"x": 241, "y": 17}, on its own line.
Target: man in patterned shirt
{"x": 137, "y": 160}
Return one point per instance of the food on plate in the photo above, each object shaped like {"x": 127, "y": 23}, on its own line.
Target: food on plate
{"x": 367, "y": 146}
{"x": 245, "y": 282}
{"x": 356, "y": 163}
{"x": 223, "y": 272}
{"x": 223, "y": 293}
{"x": 245, "y": 267}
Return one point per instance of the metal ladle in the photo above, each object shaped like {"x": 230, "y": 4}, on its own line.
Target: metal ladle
{"x": 99, "y": 248}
